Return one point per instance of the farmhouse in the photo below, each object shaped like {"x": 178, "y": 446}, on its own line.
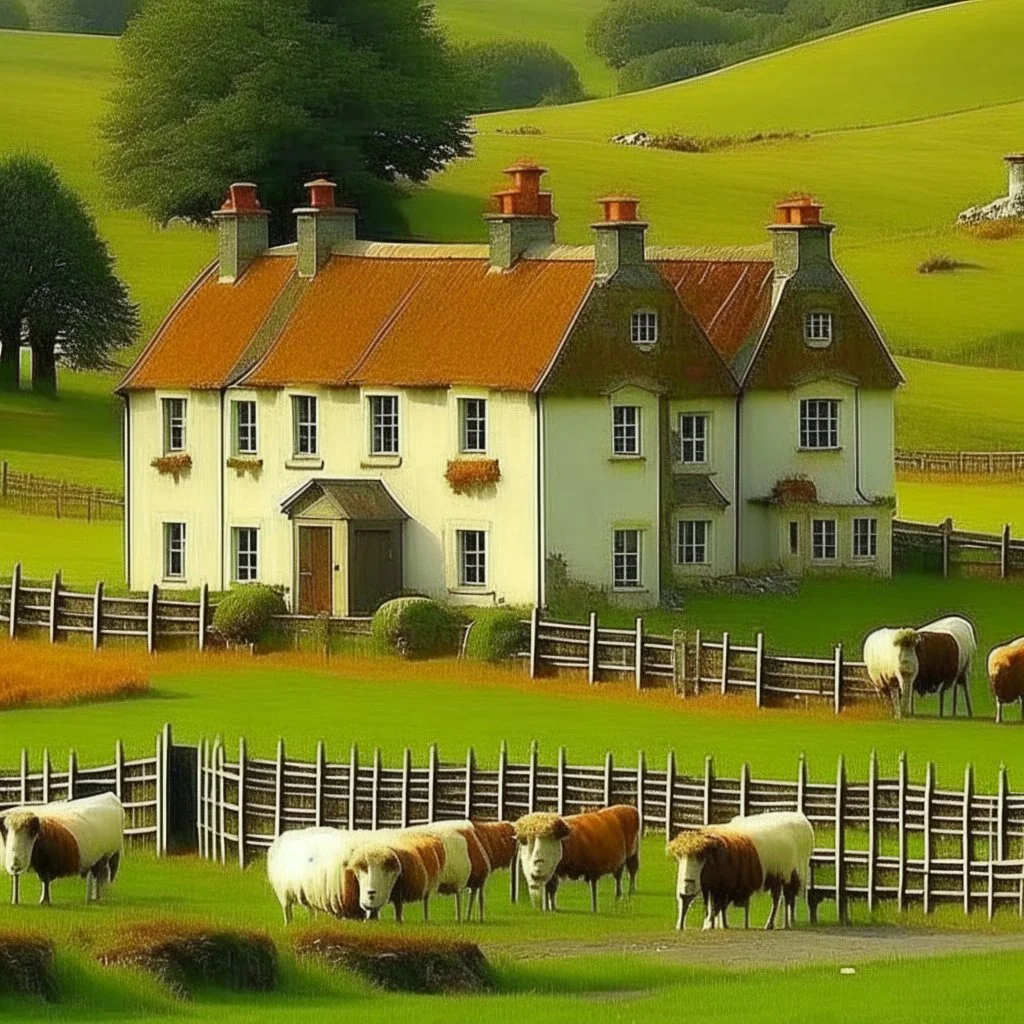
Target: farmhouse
{"x": 350, "y": 419}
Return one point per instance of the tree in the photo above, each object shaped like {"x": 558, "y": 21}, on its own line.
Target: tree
{"x": 511, "y": 73}
{"x": 57, "y": 280}
{"x": 13, "y": 14}
{"x": 671, "y": 65}
{"x": 105, "y": 17}
{"x": 277, "y": 91}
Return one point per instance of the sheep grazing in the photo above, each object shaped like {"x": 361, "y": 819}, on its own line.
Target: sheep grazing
{"x": 59, "y": 840}
{"x": 405, "y": 869}
{"x": 890, "y": 656}
{"x": 307, "y": 866}
{"x": 466, "y": 864}
{"x": 727, "y": 864}
{"x": 963, "y": 633}
{"x": 1006, "y": 674}
{"x": 498, "y": 839}
{"x": 586, "y": 846}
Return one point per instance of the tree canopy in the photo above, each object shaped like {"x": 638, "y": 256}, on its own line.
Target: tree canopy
{"x": 277, "y": 91}
{"x": 508, "y": 73}
{"x": 57, "y": 280}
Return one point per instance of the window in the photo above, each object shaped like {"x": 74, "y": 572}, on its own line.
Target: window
{"x": 819, "y": 423}
{"x": 174, "y": 551}
{"x": 865, "y": 538}
{"x": 818, "y": 329}
{"x": 245, "y": 428}
{"x": 693, "y": 435}
{"x": 174, "y": 424}
{"x": 304, "y": 417}
{"x": 246, "y": 554}
{"x": 384, "y": 425}
{"x": 692, "y": 547}
{"x": 626, "y": 430}
{"x": 643, "y": 327}
{"x": 473, "y": 424}
{"x": 626, "y": 558}
{"x": 794, "y": 538}
{"x": 824, "y": 539}
{"x": 472, "y": 546}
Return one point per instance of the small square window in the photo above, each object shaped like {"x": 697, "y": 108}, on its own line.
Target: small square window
{"x": 626, "y": 558}
{"x": 794, "y": 538}
{"x": 246, "y": 554}
{"x": 245, "y": 428}
{"x": 384, "y": 425}
{"x": 865, "y": 538}
{"x": 304, "y": 414}
{"x": 174, "y": 551}
{"x": 643, "y": 327}
{"x": 626, "y": 430}
{"x": 473, "y": 424}
{"x": 819, "y": 423}
{"x": 823, "y": 538}
{"x": 693, "y": 438}
{"x": 818, "y": 329}
{"x": 692, "y": 546}
{"x": 472, "y": 552}
{"x": 174, "y": 424}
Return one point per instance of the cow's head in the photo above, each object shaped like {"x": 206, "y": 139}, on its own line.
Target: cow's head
{"x": 692, "y": 851}
{"x": 19, "y": 831}
{"x": 540, "y": 838}
{"x": 376, "y": 869}
{"x": 906, "y": 643}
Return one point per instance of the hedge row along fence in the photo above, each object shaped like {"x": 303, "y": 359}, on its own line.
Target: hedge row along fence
{"x": 879, "y": 839}
{"x": 960, "y": 463}
{"x": 941, "y": 548}
{"x": 39, "y": 495}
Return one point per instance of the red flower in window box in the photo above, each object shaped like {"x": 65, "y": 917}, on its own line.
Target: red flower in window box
{"x": 466, "y": 475}
{"x": 794, "y": 490}
{"x": 242, "y": 464}
{"x": 173, "y": 465}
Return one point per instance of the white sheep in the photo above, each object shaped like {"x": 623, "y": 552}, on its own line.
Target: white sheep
{"x": 308, "y": 866}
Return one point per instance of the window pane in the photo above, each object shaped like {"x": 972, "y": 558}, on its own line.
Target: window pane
{"x": 818, "y": 327}
{"x": 819, "y": 423}
{"x": 305, "y": 410}
{"x": 865, "y": 538}
{"x": 245, "y": 425}
{"x": 174, "y": 550}
{"x": 823, "y": 538}
{"x": 626, "y": 558}
{"x": 644, "y": 327}
{"x": 474, "y": 424}
{"x": 626, "y": 430}
{"x": 693, "y": 432}
{"x": 174, "y": 424}
{"x": 472, "y": 545}
{"x": 692, "y": 542}
{"x": 246, "y": 554}
{"x": 384, "y": 425}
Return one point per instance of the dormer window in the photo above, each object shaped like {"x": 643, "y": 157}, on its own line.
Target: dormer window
{"x": 643, "y": 327}
{"x": 818, "y": 329}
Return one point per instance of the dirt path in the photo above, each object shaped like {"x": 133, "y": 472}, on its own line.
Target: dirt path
{"x": 740, "y": 949}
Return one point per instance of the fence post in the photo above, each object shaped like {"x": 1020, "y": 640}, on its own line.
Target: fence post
{"x": 1001, "y": 815}
{"x": 279, "y": 788}
{"x": 696, "y": 663}
{"x": 54, "y": 598}
{"x": 725, "y": 662}
{"x": 837, "y": 680}
{"x": 608, "y": 770}
{"x": 204, "y": 613}
{"x": 709, "y": 782}
{"x": 72, "y": 773}
{"x": 200, "y": 798}
{"x": 353, "y": 785}
{"x": 968, "y": 836}
{"x": 592, "y": 649}
{"x": 929, "y": 787}
{"x": 221, "y": 803}
{"x": 97, "y": 616}
{"x": 670, "y": 785}
{"x": 164, "y": 793}
{"x": 502, "y": 766}
{"x": 561, "y": 781}
{"x": 47, "y": 767}
{"x": 744, "y": 787}
{"x": 534, "y": 652}
{"x": 840, "y": 841}
{"x": 1004, "y": 552}
{"x": 947, "y": 528}
{"x": 406, "y": 772}
{"x": 679, "y": 662}
{"x": 639, "y": 655}
{"x": 3, "y": 478}
{"x": 375, "y": 795}
{"x": 641, "y": 779}
{"x": 532, "y": 785}
{"x": 158, "y": 785}
{"x": 470, "y": 765}
{"x": 242, "y": 759}
{"x": 872, "y": 827}
{"x": 318, "y": 799}
{"x": 151, "y": 619}
{"x": 15, "y": 588}
{"x": 432, "y": 784}
{"x": 901, "y": 880}
{"x": 23, "y": 788}
{"x": 759, "y": 671}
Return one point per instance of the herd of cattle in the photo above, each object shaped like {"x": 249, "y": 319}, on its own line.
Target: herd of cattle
{"x": 936, "y": 658}
{"x": 355, "y": 874}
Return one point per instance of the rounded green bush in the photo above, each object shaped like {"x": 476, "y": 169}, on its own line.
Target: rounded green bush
{"x": 245, "y": 615}
{"x": 497, "y": 634}
{"x": 416, "y": 627}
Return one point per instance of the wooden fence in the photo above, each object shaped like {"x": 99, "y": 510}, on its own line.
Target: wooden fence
{"x": 943, "y": 549}
{"x": 694, "y": 666}
{"x": 960, "y": 463}
{"x": 38, "y": 495}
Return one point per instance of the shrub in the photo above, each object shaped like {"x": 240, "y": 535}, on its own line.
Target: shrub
{"x": 26, "y": 965}
{"x": 505, "y": 74}
{"x": 416, "y": 627}
{"x": 497, "y": 634}
{"x": 671, "y": 65}
{"x": 13, "y": 14}
{"x": 105, "y": 17}
{"x": 245, "y": 615}
{"x": 938, "y": 264}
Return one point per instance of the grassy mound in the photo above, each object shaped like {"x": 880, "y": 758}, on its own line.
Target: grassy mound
{"x": 416, "y": 627}
{"x": 401, "y": 963}
{"x": 26, "y": 965}
{"x": 185, "y": 955}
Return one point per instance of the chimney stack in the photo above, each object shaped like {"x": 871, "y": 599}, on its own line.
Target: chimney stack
{"x": 321, "y": 225}
{"x": 242, "y": 230}
{"x": 1015, "y": 162}
{"x": 618, "y": 236}
{"x": 801, "y": 239}
{"x": 521, "y": 216}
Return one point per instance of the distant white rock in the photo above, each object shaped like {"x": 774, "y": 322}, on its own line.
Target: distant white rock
{"x": 1005, "y": 207}
{"x": 632, "y": 139}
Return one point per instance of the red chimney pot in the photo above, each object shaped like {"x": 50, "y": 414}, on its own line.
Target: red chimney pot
{"x": 524, "y": 198}
{"x": 242, "y": 198}
{"x": 801, "y": 210}
{"x": 321, "y": 193}
{"x": 620, "y": 209}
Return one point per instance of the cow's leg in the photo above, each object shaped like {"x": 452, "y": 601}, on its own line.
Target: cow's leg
{"x": 967, "y": 694}
{"x": 398, "y": 911}
{"x": 709, "y": 916}
{"x": 633, "y": 864}
{"x": 15, "y": 890}
{"x": 942, "y": 701}
{"x": 999, "y": 711}
{"x": 956, "y": 693}
{"x": 723, "y": 914}
{"x": 426, "y": 908}
{"x": 746, "y": 913}
{"x": 458, "y": 905}
{"x": 44, "y": 896}
{"x": 286, "y": 910}
{"x": 681, "y": 915}
{"x": 1022, "y": 709}
{"x": 593, "y": 895}
{"x": 480, "y": 905}
{"x": 618, "y": 884}
{"x": 776, "y": 896}
{"x": 469, "y": 904}
{"x": 550, "y": 889}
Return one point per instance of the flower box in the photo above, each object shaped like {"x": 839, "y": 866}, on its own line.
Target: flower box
{"x": 172, "y": 465}
{"x": 467, "y": 475}
{"x": 243, "y": 464}
{"x": 794, "y": 490}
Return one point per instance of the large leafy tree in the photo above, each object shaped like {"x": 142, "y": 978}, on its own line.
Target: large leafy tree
{"x": 275, "y": 91}
{"x": 57, "y": 280}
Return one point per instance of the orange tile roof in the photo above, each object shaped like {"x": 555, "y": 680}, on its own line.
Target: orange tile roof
{"x": 208, "y": 330}
{"x": 427, "y": 322}
{"x": 731, "y": 300}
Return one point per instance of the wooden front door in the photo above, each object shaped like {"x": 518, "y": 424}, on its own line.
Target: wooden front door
{"x": 315, "y": 570}
{"x": 375, "y": 572}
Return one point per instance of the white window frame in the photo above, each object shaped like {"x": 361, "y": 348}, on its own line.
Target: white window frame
{"x": 869, "y": 534}
{"x": 626, "y": 434}
{"x": 245, "y": 566}
{"x": 305, "y": 419}
{"x": 393, "y": 425}
{"x": 820, "y": 545}
{"x": 688, "y": 545}
{"x": 644, "y": 327}
{"x": 472, "y": 570}
{"x": 819, "y": 328}
{"x": 699, "y": 440}
{"x": 251, "y": 428}
{"x": 174, "y": 423}
{"x": 625, "y": 558}
{"x": 473, "y": 429}
{"x": 814, "y": 426}
{"x": 175, "y": 546}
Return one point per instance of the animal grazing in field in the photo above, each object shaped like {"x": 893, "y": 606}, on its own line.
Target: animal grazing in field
{"x": 965, "y": 637}
{"x": 59, "y": 840}
{"x": 727, "y": 864}
{"x": 466, "y": 864}
{"x": 307, "y": 866}
{"x": 587, "y": 846}
{"x": 890, "y": 656}
{"x": 498, "y": 839}
{"x": 1006, "y": 675}
{"x": 406, "y": 868}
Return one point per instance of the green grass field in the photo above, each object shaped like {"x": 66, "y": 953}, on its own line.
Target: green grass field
{"x": 973, "y": 506}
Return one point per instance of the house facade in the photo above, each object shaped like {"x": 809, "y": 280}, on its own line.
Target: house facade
{"x": 349, "y": 419}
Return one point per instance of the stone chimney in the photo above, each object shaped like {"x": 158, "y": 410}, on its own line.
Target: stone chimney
{"x": 242, "y": 230}
{"x": 321, "y": 225}
{"x": 618, "y": 236}
{"x": 801, "y": 239}
{"x": 521, "y": 216}
{"x": 1015, "y": 162}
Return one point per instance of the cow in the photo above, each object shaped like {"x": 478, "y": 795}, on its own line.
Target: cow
{"x": 1006, "y": 675}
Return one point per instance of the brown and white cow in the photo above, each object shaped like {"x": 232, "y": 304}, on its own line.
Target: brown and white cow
{"x": 407, "y": 868}
{"x": 1006, "y": 675}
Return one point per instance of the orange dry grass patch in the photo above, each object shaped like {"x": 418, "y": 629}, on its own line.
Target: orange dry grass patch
{"x": 55, "y": 674}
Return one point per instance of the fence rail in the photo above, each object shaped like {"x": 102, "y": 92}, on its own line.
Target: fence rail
{"x": 944, "y": 549}
{"x": 39, "y": 495}
{"x": 960, "y": 463}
